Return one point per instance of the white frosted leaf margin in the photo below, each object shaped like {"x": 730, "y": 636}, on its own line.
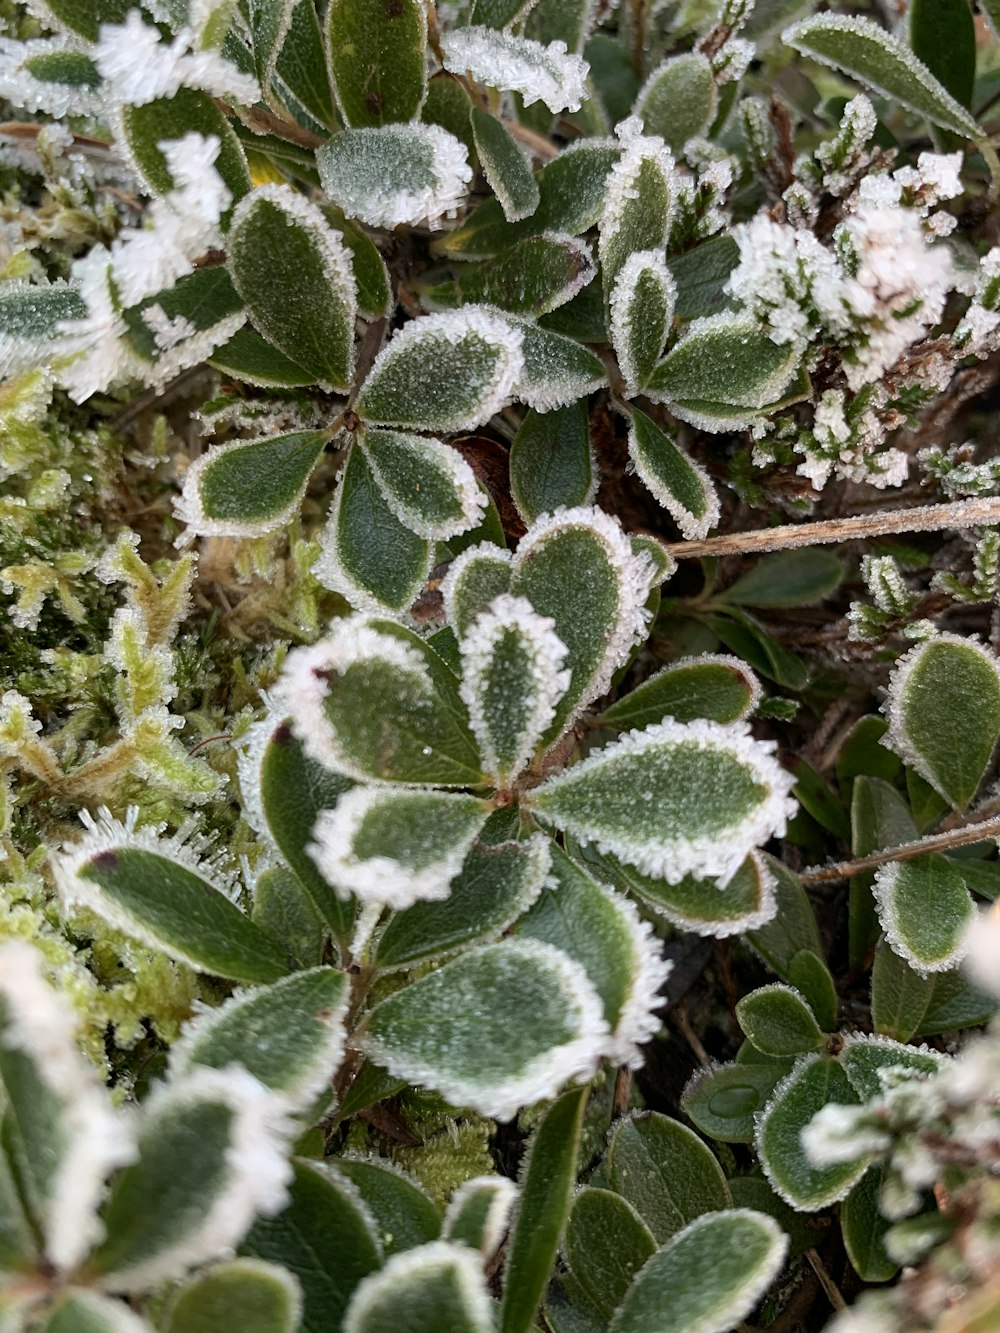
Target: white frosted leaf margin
{"x": 540, "y": 73}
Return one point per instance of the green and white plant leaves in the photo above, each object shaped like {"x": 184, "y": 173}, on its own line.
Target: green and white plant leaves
{"x": 642, "y": 309}
{"x": 607, "y": 1243}
{"x": 679, "y": 99}
{"x": 437, "y": 1286}
{"x": 712, "y": 686}
{"x": 429, "y": 487}
{"x": 263, "y": 1298}
{"x": 925, "y": 911}
{"x": 519, "y": 65}
{"x": 778, "y": 1021}
{"x": 682, "y": 486}
{"x": 638, "y": 202}
{"x": 551, "y": 461}
{"x": 249, "y": 487}
{"x": 505, "y": 167}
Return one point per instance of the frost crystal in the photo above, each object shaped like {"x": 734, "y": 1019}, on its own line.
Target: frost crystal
{"x": 787, "y": 278}
{"x": 92, "y": 346}
{"x": 22, "y": 88}
{"x": 621, "y": 188}
{"x": 549, "y": 74}
{"x": 140, "y": 67}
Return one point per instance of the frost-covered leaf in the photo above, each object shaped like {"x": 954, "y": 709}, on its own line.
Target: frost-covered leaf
{"x": 478, "y": 1213}
{"x": 925, "y": 910}
{"x": 863, "y": 1228}
{"x": 513, "y": 676}
{"x": 551, "y": 461}
{"x": 375, "y": 296}
{"x": 723, "y": 372}
{"x": 294, "y": 273}
{"x": 283, "y": 909}
{"x": 396, "y": 846}
{"x": 404, "y": 1213}
{"x": 534, "y": 277}
{"x": 249, "y": 358}
{"x": 84, "y": 1311}
{"x": 49, "y": 75}
{"x": 642, "y": 310}
{"x": 680, "y": 484}
{"x": 557, "y": 371}
{"x": 145, "y": 128}
{"x": 388, "y": 175}
{"x": 368, "y": 669}
{"x": 723, "y": 1100}
{"x": 268, "y": 25}
{"x": 943, "y": 708}
{"x": 29, "y": 318}
{"x": 369, "y": 555}
{"x": 244, "y": 1293}
{"x": 777, "y": 1020}
{"x": 156, "y": 890}
{"x": 539, "y": 73}
{"x": 289, "y": 1036}
{"x": 815, "y": 1082}
{"x": 445, "y": 372}
{"x": 701, "y": 275}
{"x": 706, "y": 1279}
{"x": 429, "y": 486}
{"x": 505, "y": 166}
{"x": 606, "y": 1244}
{"x": 60, "y": 1131}
{"x": 212, "y": 1151}
{"x": 175, "y": 329}
{"x": 676, "y": 799}
{"x": 326, "y": 1237}
{"x": 378, "y": 60}
{"x": 679, "y": 99}
{"x": 448, "y": 1031}
{"x": 498, "y": 13}
{"x": 283, "y": 789}
{"x": 865, "y": 1057}
{"x": 692, "y": 903}
{"x": 577, "y": 567}
{"x": 301, "y": 80}
{"x": 791, "y": 938}
{"x": 425, "y": 1290}
{"x": 907, "y": 1004}
{"x": 546, "y": 1185}
{"x": 665, "y": 1172}
{"x": 475, "y": 578}
{"x": 638, "y": 202}
{"x": 860, "y": 47}
{"x": 603, "y": 933}
{"x": 84, "y": 16}
{"x": 712, "y": 686}
{"x": 250, "y": 487}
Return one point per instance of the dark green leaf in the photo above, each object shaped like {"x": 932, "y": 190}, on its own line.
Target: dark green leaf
{"x": 377, "y": 59}
{"x": 863, "y": 1228}
{"x": 86, "y": 16}
{"x": 505, "y": 167}
{"x": 248, "y": 357}
{"x": 748, "y": 639}
{"x": 665, "y": 1171}
{"x": 607, "y": 1243}
{"x": 429, "y": 486}
{"x": 189, "y": 111}
{"x": 778, "y": 1021}
{"x": 880, "y": 818}
{"x": 551, "y": 462}
{"x": 246, "y": 1294}
{"x": 283, "y": 909}
{"x": 698, "y": 905}
{"x": 250, "y": 486}
{"x": 701, "y": 274}
{"x": 682, "y": 486}
{"x": 790, "y": 578}
{"x": 405, "y": 1214}
{"x": 721, "y": 689}
{"x": 723, "y": 1100}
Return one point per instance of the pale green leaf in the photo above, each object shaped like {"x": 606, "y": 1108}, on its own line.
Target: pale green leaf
{"x": 250, "y": 487}
{"x": 505, "y": 166}
{"x": 378, "y": 60}
{"x": 478, "y": 1213}
{"x": 389, "y": 175}
{"x": 607, "y": 1243}
{"x": 777, "y": 1020}
{"x": 708, "y": 1278}
{"x": 89, "y": 1312}
{"x": 642, "y": 310}
{"x": 534, "y": 277}
{"x": 679, "y": 99}
{"x": 746, "y": 903}
{"x": 429, "y": 486}
{"x": 680, "y": 484}
{"x": 551, "y": 461}
{"x": 247, "y": 1294}
{"x": 860, "y": 47}
{"x": 864, "y": 1058}
{"x": 665, "y": 1172}
{"x": 29, "y": 315}
{"x": 448, "y": 1031}
{"x": 478, "y": 576}
{"x": 429, "y": 1289}
{"x": 712, "y": 686}
{"x": 557, "y": 371}
{"x": 925, "y": 911}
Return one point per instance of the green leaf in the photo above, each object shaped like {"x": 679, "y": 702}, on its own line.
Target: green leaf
{"x": 210, "y": 305}
{"x": 394, "y": 845}
{"x": 712, "y": 686}
{"x": 716, "y": 793}
{"x": 290, "y": 1036}
{"x": 445, "y": 372}
{"x": 789, "y": 578}
{"x": 284, "y": 789}
{"x": 880, "y": 818}
{"x": 861, "y": 48}
{"x": 547, "y": 1178}
{"x": 900, "y": 996}
{"x": 388, "y": 175}
{"x": 154, "y": 892}
{"x": 815, "y": 1082}
{"x": 955, "y": 1003}
{"x": 708, "y": 1278}
{"x": 533, "y": 277}
{"x": 250, "y": 487}
{"x": 29, "y": 316}
{"x": 861, "y": 753}
{"x": 697, "y": 904}
{"x": 497, "y": 13}
{"x": 375, "y": 296}
{"x": 551, "y": 462}
{"x": 369, "y": 1086}
{"x": 864, "y": 1057}
{"x": 89, "y": 1312}
{"x": 478, "y": 1213}
{"x": 86, "y": 16}
{"x": 602, "y": 932}
{"x": 566, "y": 21}
{"x": 750, "y": 640}
{"x": 496, "y": 885}
{"x": 72, "y": 68}
{"x": 723, "y": 372}
{"x": 378, "y": 59}
{"x": 794, "y": 926}
{"x": 448, "y": 104}
{"x": 248, "y": 357}
{"x": 429, "y": 1289}
{"x": 513, "y": 64}
{"x": 642, "y": 310}
{"x": 613, "y": 75}
{"x": 944, "y": 714}
{"x": 724, "y": 1100}
{"x": 701, "y": 275}
{"x": 606, "y": 1244}
{"x": 429, "y": 486}
{"x": 942, "y": 35}
{"x": 301, "y": 79}
{"x": 283, "y": 909}
{"x": 268, "y": 22}
{"x": 679, "y": 99}
{"x": 809, "y": 974}
{"x": 372, "y": 558}
{"x": 189, "y": 111}
{"x": 253, "y": 1296}
{"x": 777, "y": 1020}
{"x": 637, "y": 208}
{"x": 405, "y": 1214}
{"x": 682, "y": 486}
{"x": 577, "y": 567}
{"x": 475, "y": 579}
{"x": 325, "y": 1237}
{"x": 925, "y": 910}
{"x": 294, "y": 273}
{"x": 193, "y": 1160}
{"x": 448, "y": 1032}
{"x": 505, "y": 166}
{"x": 863, "y": 1228}
{"x": 557, "y": 371}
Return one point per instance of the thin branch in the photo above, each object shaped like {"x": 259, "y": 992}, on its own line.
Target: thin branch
{"x": 981, "y": 511}
{"x": 826, "y": 1281}
{"x": 906, "y": 851}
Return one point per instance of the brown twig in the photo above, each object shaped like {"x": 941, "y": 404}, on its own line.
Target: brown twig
{"x": 937, "y": 842}
{"x": 826, "y": 1281}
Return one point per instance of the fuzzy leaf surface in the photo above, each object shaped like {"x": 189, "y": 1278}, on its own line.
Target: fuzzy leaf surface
{"x": 377, "y": 59}
{"x": 505, "y": 167}
{"x": 404, "y": 1213}
{"x": 679, "y": 99}
{"x": 713, "y": 686}
{"x": 429, "y": 487}
{"x": 925, "y": 910}
{"x": 665, "y": 1172}
{"x": 551, "y": 462}
{"x": 607, "y": 1242}
{"x": 778, "y": 1021}
{"x": 388, "y": 175}
{"x": 723, "y": 1100}
{"x": 428, "y": 1289}
{"x": 692, "y": 903}
{"x": 682, "y": 486}
{"x": 254, "y": 1296}
{"x": 248, "y": 488}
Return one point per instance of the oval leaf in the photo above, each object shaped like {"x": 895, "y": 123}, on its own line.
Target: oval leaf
{"x": 506, "y": 167}
{"x": 378, "y": 60}
{"x": 713, "y": 686}
{"x": 429, "y": 487}
{"x": 925, "y": 911}
{"x": 256, "y": 1297}
{"x": 606, "y": 1244}
{"x": 245, "y": 489}
{"x": 392, "y": 175}
{"x": 539, "y": 73}
{"x": 725, "y": 1100}
{"x": 642, "y": 310}
{"x": 679, "y": 99}
{"x": 638, "y": 202}
{"x": 551, "y": 462}
{"x": 682, "y": 486}
{"x": 476, "y": 578}
{"x": 439, "y": 1286}
{"x": 404, "y": 1213}
{"x": 478, "y": 1213}
{"x": 777, "y": 1020}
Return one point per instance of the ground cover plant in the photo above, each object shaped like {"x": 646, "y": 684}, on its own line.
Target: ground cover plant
{"x": 500, "y": 539}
